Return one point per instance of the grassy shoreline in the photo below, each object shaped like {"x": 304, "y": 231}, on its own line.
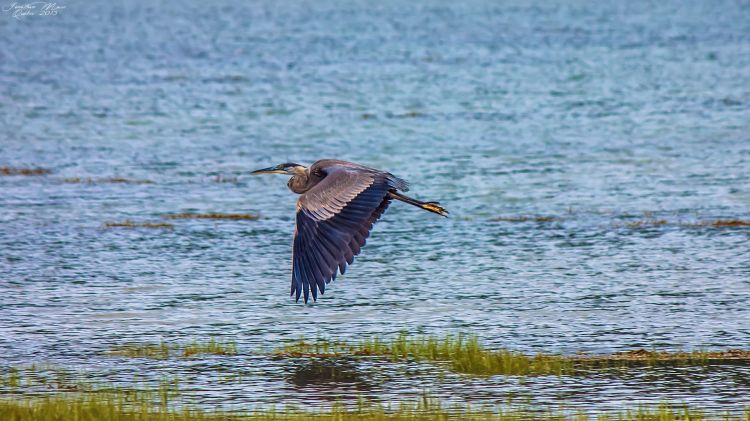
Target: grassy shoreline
{"x": 461, "y": 354}
{"x": 51, "y": 393}
{"x": 120, "y": 407}
{"x": 465, "y": 354}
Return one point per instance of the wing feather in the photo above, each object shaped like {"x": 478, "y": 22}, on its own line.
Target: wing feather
{"x": 334, "y": 219}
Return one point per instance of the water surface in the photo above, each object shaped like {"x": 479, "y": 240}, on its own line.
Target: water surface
{"x": 603, "y": 118}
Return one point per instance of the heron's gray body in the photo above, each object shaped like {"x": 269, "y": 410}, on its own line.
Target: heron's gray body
{"x": 339, "y": 202}
{"x": 311, "y": 176}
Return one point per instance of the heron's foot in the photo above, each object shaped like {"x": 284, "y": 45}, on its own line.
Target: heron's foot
{"x": 435, "y": 208}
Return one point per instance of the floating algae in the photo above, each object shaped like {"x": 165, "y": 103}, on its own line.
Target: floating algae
{"x": 540, "y": 219}
{"x": 731, "y": 223}
{"x": 131, "y": 224}
{"x": 646, "y": 223}
{"x": 717, "y": 223}
{"x": 637, "y": 224}
{"x": 109, "y": 180}
{"x": 23, "y": 171}
{"x": 227, "y": 216}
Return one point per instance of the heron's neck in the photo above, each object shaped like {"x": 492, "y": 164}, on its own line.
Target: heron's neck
{"x": 300, "y": 181}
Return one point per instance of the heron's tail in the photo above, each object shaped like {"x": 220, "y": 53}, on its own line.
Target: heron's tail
{"x": 433, "y": 207}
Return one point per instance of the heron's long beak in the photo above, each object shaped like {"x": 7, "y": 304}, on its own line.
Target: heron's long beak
{"x": 269, "y": 170}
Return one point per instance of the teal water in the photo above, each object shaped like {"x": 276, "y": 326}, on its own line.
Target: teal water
{"x": 603, "y": 117}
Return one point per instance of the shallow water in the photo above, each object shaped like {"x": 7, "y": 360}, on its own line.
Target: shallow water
{"x": 599, "y": 116}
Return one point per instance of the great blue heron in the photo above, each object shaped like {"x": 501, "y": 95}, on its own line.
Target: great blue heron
{"x": 339, "y": 201}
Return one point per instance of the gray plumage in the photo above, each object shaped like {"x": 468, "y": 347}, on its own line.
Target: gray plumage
{"x": 339, "y": 203}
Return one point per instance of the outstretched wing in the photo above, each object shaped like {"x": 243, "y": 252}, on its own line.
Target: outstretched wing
{"x": 334, "y": 218}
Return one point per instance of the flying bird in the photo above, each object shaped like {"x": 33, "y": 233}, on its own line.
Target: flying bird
{"x": 338, "y": 204}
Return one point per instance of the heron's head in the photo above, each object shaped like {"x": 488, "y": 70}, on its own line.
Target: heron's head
{"x": 288, "y": 168}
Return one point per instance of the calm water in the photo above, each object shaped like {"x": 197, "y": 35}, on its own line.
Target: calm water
{"x": 599, "y": 116}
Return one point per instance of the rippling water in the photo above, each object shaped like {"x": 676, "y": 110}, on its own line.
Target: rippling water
{"x": 625, "y": 126}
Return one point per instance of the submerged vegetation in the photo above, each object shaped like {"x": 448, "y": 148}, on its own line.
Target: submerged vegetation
{"x": 111, "y": 180}
{"x": 229, "y": 216}
{"x": 48, "y": 380}
{"x": 23, "y": 171}
{"x": 131, "y": 224}
{"x": 212, "y": 347}
{"x": 635, "y": 224}
{"x": 715, "y": 223}
{"x": 677, "y": 358}
{"x": 160, "y": 350}
{"x": 59, "y": 394}
{"x": 646, "y": 223}
{"x": 731, "y": 223}
{"x": 524, "y": 218}
{"x": 167, "y": 225}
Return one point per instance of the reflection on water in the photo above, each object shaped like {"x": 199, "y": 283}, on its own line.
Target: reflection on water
{"x": 583, "y": 150}
{"x": 321, "y": 372}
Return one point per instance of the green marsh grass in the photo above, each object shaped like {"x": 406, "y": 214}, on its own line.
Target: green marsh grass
{"x": 73, "y": 396}
{"x": 118, "y": 406}
{"x": 163, "y": 350}
{"x": 12, "y": 379}
{"x": 212, "y": 347}
{"x": 461, "y": 354}
{"x": 47, "y": 379}
{"x": 40, "y": 376}
{"x": 465, "y": 354}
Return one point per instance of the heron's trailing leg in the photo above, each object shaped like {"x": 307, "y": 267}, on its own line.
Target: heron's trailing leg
{"x": 433, "y": 207}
